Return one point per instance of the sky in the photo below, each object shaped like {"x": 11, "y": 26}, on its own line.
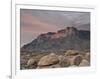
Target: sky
{"x": 34, "y": 22}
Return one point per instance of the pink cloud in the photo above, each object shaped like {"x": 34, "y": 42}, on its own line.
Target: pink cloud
{"x": 32, "y": 26}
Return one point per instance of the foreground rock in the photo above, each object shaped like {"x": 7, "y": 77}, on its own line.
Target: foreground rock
{"x": 75, "y": 60}
{"x": 84, "y": 63}
{"x": 87, "y": 56}
{"x": 71, "y": 53}
{"x": 48, "y": 60}
{"x": 63, "y": 61}
{"x": 31, "y": 61}
{"x": 71, "y": 58}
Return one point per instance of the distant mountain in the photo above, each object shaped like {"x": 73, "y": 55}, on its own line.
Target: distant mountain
{"x": 64, "y": 39}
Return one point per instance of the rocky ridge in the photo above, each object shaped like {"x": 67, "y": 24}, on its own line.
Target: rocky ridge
{"x": 62, "y": 40}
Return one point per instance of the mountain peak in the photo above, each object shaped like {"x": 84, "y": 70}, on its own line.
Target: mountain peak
{"x": 71, "y": 29}
{"x": 68, "y": 31}
{"x": 68, "y": 38}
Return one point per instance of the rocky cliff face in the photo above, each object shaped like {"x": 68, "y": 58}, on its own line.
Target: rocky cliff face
{"x": 64, "y": 39}
{"x": 69, "y": 31}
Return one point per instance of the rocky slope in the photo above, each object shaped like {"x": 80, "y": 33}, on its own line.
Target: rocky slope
{"x": 70, "y": 58}
{"x": 62, "y": 40}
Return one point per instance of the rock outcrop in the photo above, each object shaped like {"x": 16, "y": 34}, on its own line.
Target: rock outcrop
{"x": 48, "y": 60}
{"x": 84, "y": 63}
{"x": 53, "y": 60}
{"x": 31, "y": 61}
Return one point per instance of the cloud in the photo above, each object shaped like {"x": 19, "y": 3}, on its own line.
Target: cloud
{"x": 33, "y": 22}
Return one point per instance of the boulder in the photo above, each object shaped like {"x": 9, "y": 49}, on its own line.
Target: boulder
{"x": 31, "y": 62}
{"x": 48, "y": 60}
{"x": 60, "y": 57}
{"x": 53, "y": 54}
{"x": 76, "y": 60}
{"x": 84, "y": 62}
{"x": 63, "y": 61}
{"x": 87, "y": 56}
{"x": 71, "y": 53}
